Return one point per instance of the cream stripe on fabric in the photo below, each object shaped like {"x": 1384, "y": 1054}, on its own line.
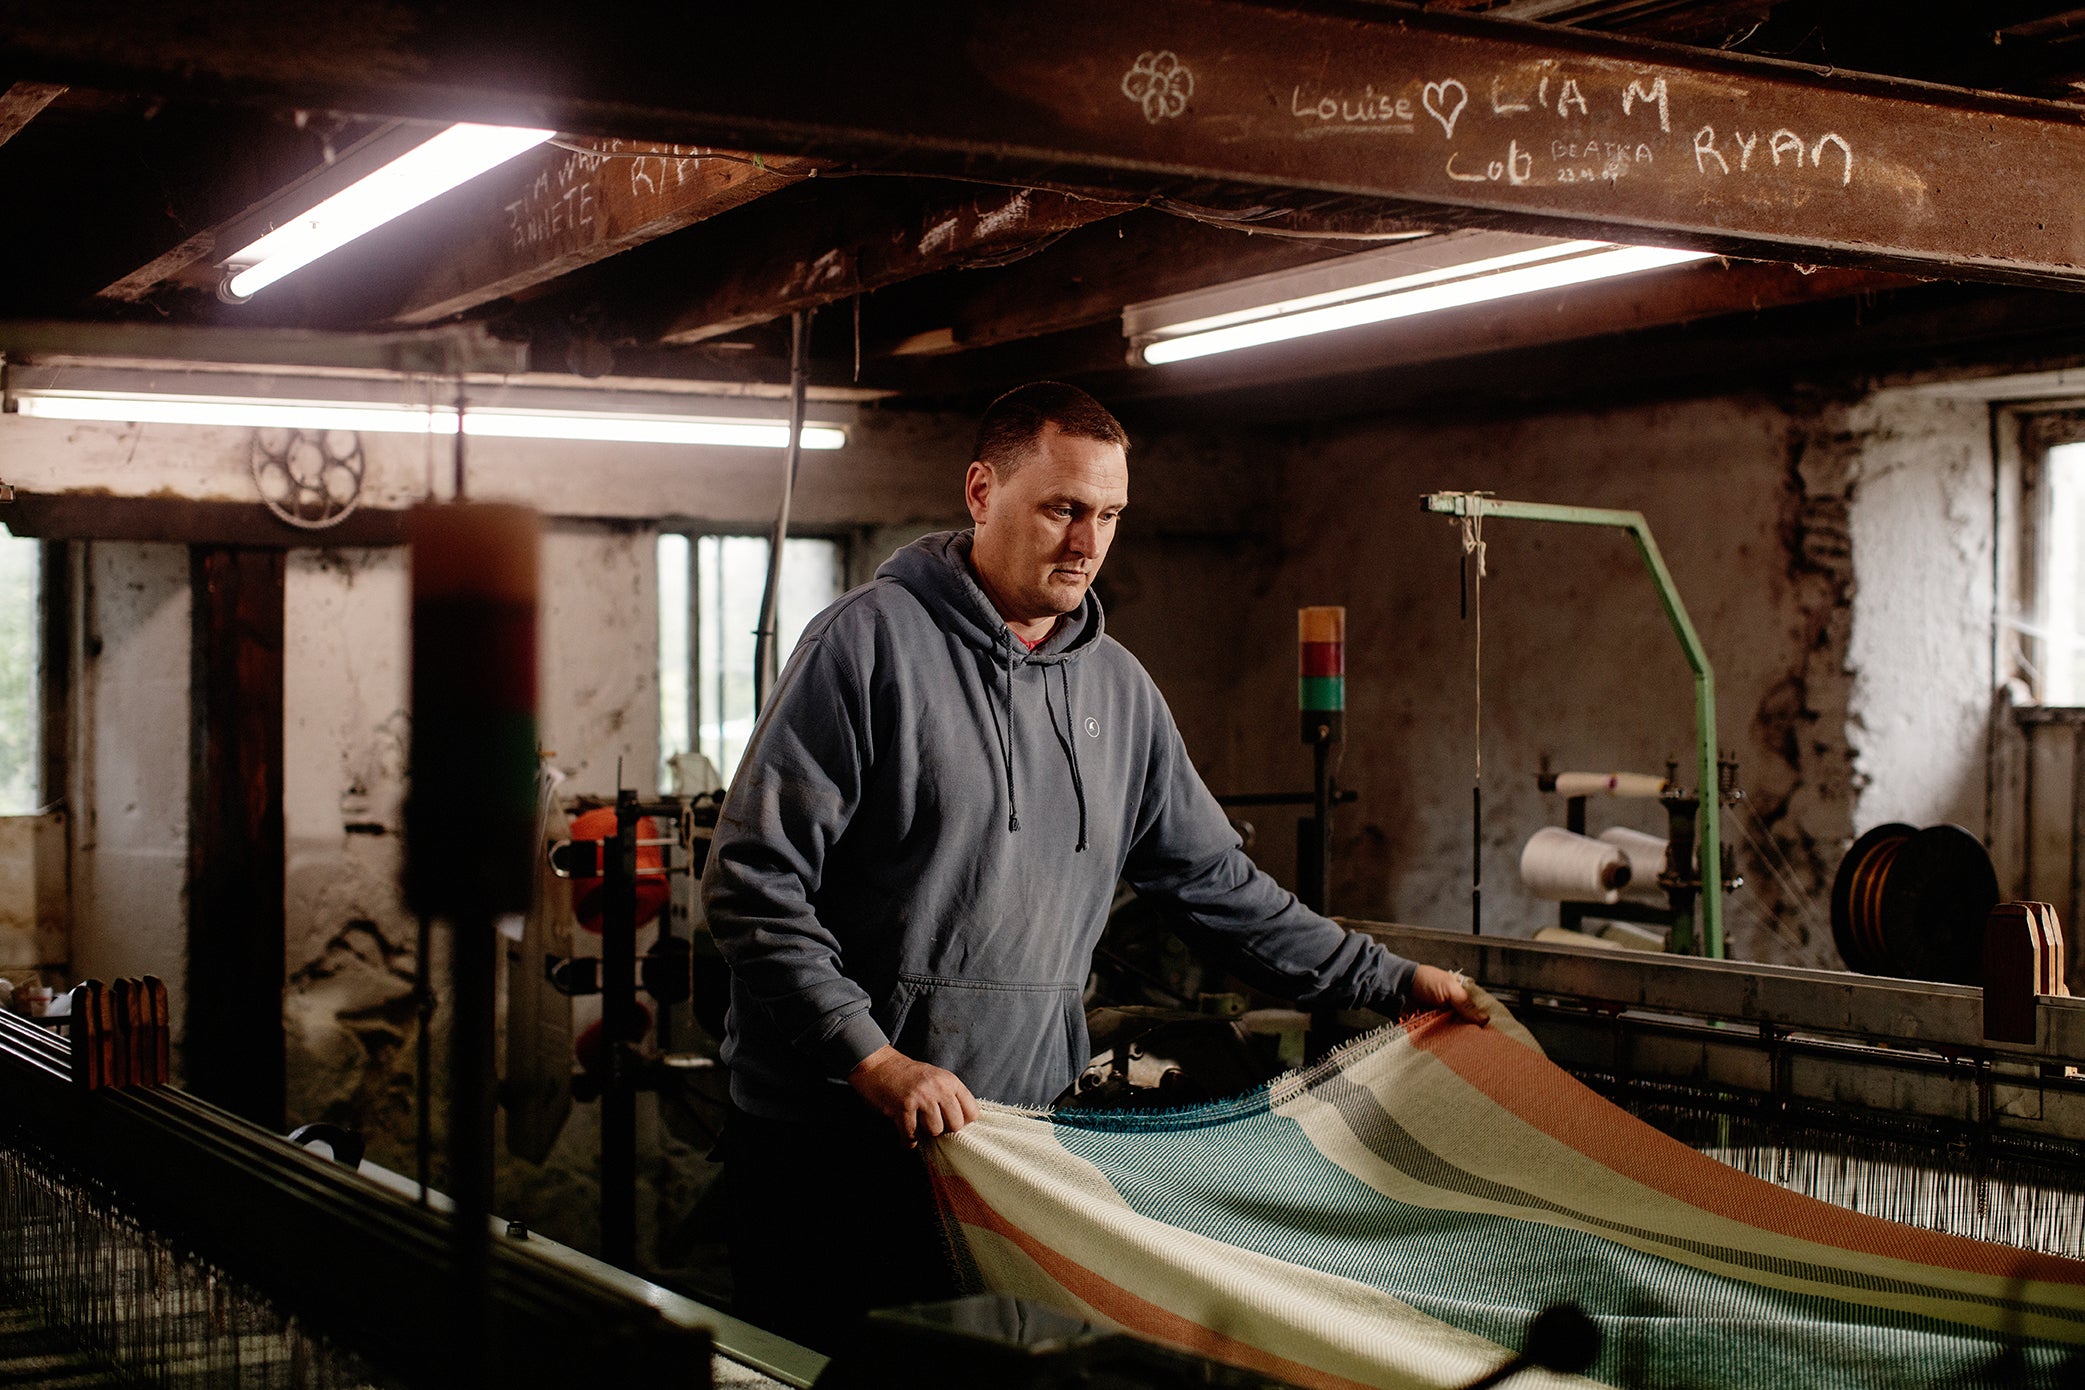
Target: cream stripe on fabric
{"x": 1471, "y": 1133}
{"x": 1338, "y": 1326}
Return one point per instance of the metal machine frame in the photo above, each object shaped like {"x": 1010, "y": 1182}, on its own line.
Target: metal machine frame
{"x": 1476, "y": 506}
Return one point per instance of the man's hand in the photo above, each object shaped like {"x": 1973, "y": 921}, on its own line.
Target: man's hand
{"x": 920, "y": 1099}
{"x": 1433, "y": 987}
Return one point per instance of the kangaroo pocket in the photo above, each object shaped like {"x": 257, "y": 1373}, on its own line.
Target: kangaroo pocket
{"x": 1019, "y": 1044}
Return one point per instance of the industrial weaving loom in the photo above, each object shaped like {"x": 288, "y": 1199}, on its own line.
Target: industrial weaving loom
{"x": 149, "y": 1238}
{"x": 1396, "y": 1214}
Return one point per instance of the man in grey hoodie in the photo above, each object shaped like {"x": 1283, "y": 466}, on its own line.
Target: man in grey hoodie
{"x": 918, "y": 854}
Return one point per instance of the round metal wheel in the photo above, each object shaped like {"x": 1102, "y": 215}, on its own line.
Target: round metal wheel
{"x": 310, "y": 479}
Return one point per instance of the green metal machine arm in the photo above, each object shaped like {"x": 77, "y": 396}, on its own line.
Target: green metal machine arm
{"x": 1710, "y": 837}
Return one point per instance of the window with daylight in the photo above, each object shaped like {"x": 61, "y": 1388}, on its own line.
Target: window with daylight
{"x": 20, "y": 709}
{"x": 709, "y": 604}
{"x": 2060, "y": 571}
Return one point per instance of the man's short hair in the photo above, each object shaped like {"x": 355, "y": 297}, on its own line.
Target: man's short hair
{"x": 1014, "y": 423}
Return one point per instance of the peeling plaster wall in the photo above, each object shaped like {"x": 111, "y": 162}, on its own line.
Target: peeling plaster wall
{"x": 348, "y": 1012}
{"x": 600, "y": 642}
{"x": 1923, "y": 530}
{"x": 129, "y": 764}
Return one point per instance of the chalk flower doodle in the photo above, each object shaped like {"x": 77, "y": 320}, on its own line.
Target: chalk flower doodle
{"x": 1160, "y": 83}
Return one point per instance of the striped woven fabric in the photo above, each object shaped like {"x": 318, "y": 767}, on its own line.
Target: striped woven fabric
{"x": 1396, "y": 1215}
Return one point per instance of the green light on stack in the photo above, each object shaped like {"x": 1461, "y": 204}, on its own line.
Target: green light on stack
{"x": 1321, "y": 665}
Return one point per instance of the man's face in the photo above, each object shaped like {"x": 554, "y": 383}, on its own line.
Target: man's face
{"x": 1043, "y": 532}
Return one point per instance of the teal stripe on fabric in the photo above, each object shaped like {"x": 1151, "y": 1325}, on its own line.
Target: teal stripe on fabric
{"x": 1240, "y": 1174}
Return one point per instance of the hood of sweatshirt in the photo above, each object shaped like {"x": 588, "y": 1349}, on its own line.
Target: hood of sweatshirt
{"x": 936, "y": 569}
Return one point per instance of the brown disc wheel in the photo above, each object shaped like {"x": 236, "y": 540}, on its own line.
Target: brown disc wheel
{"x": 1912, "y": 903}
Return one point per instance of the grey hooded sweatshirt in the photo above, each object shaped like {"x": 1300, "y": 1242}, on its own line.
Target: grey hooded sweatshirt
{"x": 923, "y": 840}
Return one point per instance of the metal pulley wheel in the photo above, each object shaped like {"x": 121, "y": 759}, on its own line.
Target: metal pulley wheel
{"x": 310, "y": 478}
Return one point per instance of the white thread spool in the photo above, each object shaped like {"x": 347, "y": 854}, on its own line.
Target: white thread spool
{"x": 1610, "y": 784}
{"x": 1645, "y": 853}
{"x": 1563, "y": 867}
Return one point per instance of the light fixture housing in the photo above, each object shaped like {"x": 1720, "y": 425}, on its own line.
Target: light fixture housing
{"x": 424, "y": 172}
{"x": 501, "y": 421}
{"x": 1421, "y": 277}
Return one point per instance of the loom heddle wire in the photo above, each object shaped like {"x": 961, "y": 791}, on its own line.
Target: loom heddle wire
{"x": 80, "y": 1270}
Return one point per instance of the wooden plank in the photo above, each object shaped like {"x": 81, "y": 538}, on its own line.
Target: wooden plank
{"x": 1530, "y": 126}
{"x": 801, "y": 262}
{"x": 234, "y": 1037}
{"x": 563, "y": 208}
{"x": 139, "y": 283}
{"x": 1088, "y": 278}
{"x": 233, "y": 212}
{"x": 21, "y": 103}
{"x": 185, "y": 521}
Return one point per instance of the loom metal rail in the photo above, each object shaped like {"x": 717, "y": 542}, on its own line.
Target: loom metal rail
{"x": 1822, "y": 1043}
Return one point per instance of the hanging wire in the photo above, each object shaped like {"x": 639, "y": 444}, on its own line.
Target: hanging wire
{"x": 1786, "y": 876}
{"x": 1473, "y": 549}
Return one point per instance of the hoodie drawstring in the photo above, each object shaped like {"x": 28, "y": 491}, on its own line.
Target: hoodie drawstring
{"x": 1071, "y": 746}
{"x": 1004, "y": 729}
{"x": 1006, "y": 745}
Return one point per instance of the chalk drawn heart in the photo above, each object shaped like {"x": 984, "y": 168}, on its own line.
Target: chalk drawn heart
{"x": 1444, "y": 102}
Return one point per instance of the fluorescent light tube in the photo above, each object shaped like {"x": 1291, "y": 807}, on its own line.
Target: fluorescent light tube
{"x": 152, "y": 409}
{"x": 1453, "y": 287}
{"x": 457, "y": 155}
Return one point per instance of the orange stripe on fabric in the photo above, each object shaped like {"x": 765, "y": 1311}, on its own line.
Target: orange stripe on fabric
{"x": 1137, "y": 1314}
{"x": 1550, "y": 1100}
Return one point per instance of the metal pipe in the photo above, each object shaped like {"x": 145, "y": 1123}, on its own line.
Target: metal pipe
{"x": 1321, "y": 802}
{"x": 1465, "y": 504}
{"x": 766, "y": 639}
{"x": 618, "y": 1030}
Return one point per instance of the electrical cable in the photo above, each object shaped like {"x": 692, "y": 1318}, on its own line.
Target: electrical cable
{"x": 765, "y": 636}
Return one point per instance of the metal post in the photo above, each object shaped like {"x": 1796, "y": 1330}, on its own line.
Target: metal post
{"x": 1463, "y": 504}
{"x": 618, "y": 1030}
{"x": 1321, "y": 815}
{"x": 471, "y": 1086}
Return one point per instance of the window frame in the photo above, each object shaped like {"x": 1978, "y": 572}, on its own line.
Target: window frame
{"x": 850, "y": 541}
{"x": 2026, "y": 656}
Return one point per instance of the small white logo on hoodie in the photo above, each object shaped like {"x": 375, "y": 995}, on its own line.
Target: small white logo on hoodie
{"x": 1092, "y": 727}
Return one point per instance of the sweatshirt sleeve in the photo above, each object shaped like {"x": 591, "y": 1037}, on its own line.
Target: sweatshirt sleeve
{"x": 1185, "y": 851}
{"x": 796, "y": 789}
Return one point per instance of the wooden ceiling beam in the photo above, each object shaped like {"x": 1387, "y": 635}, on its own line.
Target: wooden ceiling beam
{"x": 238, "y": 213}
{"x": 798, "y": 262}
{"x": 1529, "y": 127}
{"x": 571, "y": 205}
{"x": 21, "y": 102}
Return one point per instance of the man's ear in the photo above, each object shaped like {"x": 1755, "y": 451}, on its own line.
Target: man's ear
{"x": 977, "y": 490}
